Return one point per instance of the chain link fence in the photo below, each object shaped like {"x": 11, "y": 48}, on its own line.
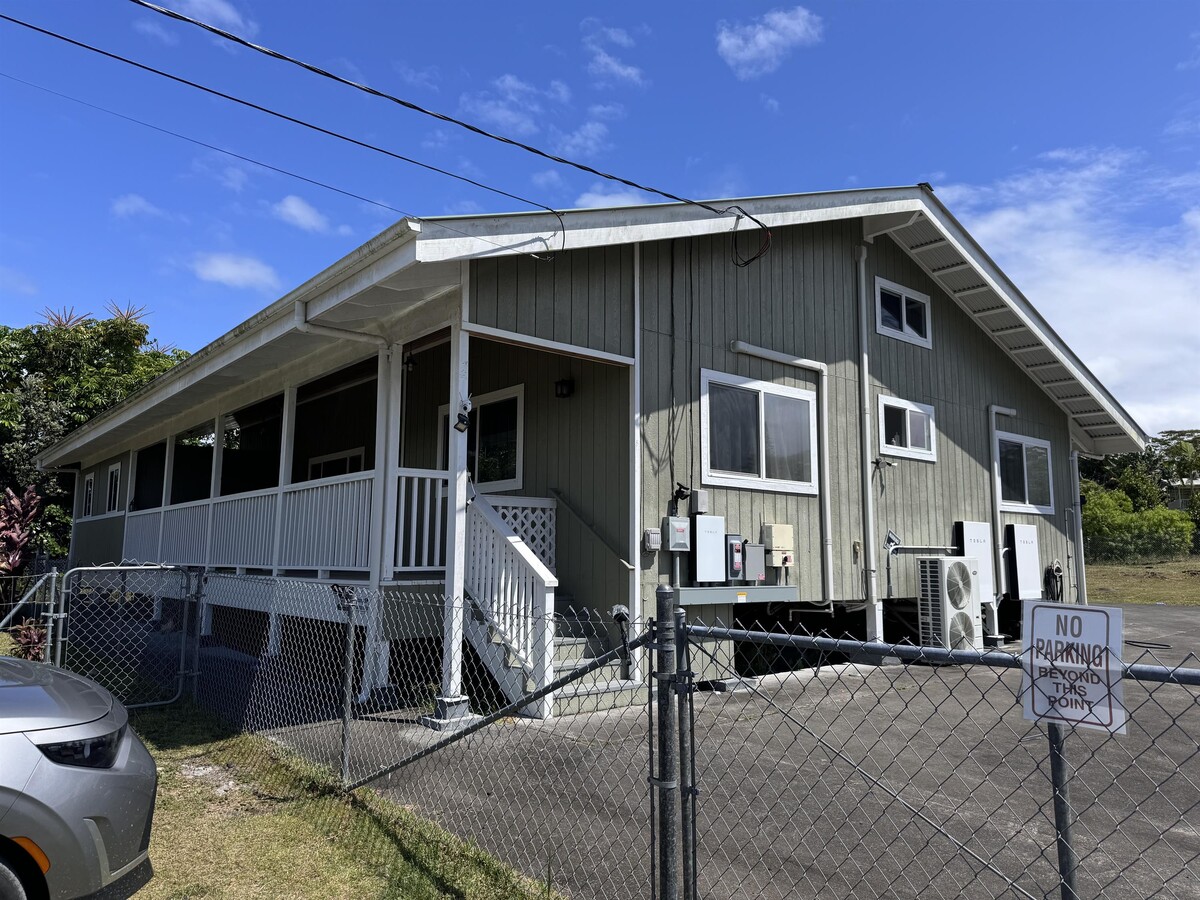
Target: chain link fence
{"x": 669, "y": 759}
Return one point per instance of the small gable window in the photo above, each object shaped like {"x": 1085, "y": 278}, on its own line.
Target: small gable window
{"x": 902, "y": 313}
{"x": 906, "y": 429}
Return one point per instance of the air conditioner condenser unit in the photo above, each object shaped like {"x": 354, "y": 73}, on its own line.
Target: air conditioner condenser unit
{"x": 949, "y": 611}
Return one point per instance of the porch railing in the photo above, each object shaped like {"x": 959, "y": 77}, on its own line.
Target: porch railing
{"x": 512, "y": 586}
{"x": 534, "y": 519}
{"x": 322, "y": 524}
{"x": 421, "y": 515}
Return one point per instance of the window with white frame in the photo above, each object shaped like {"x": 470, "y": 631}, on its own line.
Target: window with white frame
{"x": 757, "y": 435}
{"x": 112, "y": 494}
{"x": 89, "y": 489}
{"x": 495, "y": 439}
{"x": 1026, "y": 484}
{"x": 902, "y": 313}
{"x": 906, "y": 429}
{"x": 344, "y": 462}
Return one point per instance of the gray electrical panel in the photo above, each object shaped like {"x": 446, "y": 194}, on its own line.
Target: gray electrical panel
{"x": 678, "y": 531}
{"x": 754, "y": 562}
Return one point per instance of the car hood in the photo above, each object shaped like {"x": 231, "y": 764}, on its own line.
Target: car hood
{"x": 34, "y": 696}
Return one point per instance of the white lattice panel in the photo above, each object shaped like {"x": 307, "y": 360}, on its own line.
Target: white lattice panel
{"x": 534, "y": 519}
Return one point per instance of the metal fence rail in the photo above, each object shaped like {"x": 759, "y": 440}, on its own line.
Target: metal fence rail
{"x": 679, "y": 759}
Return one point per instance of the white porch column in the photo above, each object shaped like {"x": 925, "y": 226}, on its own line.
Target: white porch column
{"x": 377, "y": 648}
{"x": 287, "y": 433}
{"x": 214, "y": 491}
{"x": 452, "y": 706}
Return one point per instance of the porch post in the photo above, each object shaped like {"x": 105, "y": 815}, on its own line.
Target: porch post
{"x": 452, "y": 706}
{"x": 214, "y": 491}
{"x": 375, "y": 660}
{"x": 168, "y": 474}
{"x": 287, "y": 432}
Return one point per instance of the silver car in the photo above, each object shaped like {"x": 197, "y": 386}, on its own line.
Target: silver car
{"x": 77, "y": 788}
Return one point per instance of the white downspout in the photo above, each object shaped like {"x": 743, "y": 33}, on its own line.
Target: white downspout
{"x": 826, "y": 509}
{"x": 1077, "y": 510}
{"x": 874, "y": 608}
{"x": 992, "y": 610}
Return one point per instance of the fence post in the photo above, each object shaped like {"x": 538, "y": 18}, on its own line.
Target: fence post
{"x": 1063, "y": 813}
{"x": 348, "y": 603}
{"x": 684, "y": 687}
{"x": 58, "y": 613}
{"x": 667, "y": 780}
{"x": 50, "y": 653}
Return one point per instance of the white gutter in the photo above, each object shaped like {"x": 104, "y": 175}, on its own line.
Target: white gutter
{"x": 993, "y": 620}
{"x": 870, "y": 568}
{"x": 826, "y": 511}
{"x": 306, "y": 327}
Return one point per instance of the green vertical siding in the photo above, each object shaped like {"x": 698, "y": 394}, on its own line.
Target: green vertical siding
{"x": 100, "y": 538}
{"x": 581, "y": 297}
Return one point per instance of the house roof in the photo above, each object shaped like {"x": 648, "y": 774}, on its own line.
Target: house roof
{"x": 373, "y": 289}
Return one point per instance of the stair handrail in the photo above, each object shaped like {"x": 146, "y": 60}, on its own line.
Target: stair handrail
{"x": 519, "y": 599}
{"x": 566, "y": 504}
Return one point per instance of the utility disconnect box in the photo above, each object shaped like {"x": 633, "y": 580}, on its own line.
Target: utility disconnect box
{"x": 734, "y": 569}
{"x": 754, "y": 562}
{"x": 708, "y": 549}
{"x": 678, "y": 531}
{"x": 780, "y": 544}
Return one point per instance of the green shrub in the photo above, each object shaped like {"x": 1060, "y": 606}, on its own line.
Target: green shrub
{"x": 1113, "y": 531}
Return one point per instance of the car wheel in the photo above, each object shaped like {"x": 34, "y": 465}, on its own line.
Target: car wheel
{"x": 11, "y": 887}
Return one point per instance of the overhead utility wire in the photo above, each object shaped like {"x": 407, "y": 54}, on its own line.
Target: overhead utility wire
{"x": 200, "y": 143}
{"x": 279, "y": 115}
{"x": 475, "y": 129}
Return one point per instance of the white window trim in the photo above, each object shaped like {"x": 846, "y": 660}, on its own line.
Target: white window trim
{"x": 115, "y": 467}
{"x": 908, "y": 293}
{"x": 1026, "y": 441}
{"x": 887, "y": 449}
{"x": 754, "y": 483}
{"x": 492, "y": 487}
{"x": 360, "y": 452}
{"x": 89, "y": 495}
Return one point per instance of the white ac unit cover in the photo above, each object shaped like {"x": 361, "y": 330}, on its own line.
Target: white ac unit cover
{"x": 948, "y": 603}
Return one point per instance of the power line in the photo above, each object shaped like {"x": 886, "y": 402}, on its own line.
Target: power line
{"x": 279, "y": 115}
{"x": 208, "y": 146}
{"x": 268, "y": 166}
{"x": 475, "y": 129}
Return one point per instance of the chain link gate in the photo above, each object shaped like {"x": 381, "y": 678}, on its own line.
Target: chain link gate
{"x": 131, "y": 629}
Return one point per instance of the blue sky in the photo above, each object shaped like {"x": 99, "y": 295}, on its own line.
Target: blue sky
{"x": 1065, "y": 135}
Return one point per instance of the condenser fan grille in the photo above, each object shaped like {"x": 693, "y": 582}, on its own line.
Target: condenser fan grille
{"x": 962, "y": 632}
{"x": 958, "y": 585}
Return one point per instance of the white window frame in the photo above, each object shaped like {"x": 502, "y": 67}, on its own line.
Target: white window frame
{"x": 477, "y": 403}
{"x": 89, "y": 494}
{"x": 112, "y": 504}
{"x": 1025, "y": 441}
{"x": 908, "y": 406}
{"x": 360, "y": 452}
{"x": 741, "y": 480}
{"x": 904, "y": 334}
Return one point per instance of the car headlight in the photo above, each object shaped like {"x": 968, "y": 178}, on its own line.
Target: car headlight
{"x": 94, "y": 753}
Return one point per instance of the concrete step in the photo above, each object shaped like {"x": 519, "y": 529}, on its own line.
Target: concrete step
{"x": 586, "y": 696}
{"x": 569, "y": 650}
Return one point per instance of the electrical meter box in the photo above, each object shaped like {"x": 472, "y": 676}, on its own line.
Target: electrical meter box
{"x": 779, "y": 537}
{"x": 734, "y": 568}
{"x": 754, "y": 562}
{"x": 678, "y": 531}
{"x": 708, "y": 549}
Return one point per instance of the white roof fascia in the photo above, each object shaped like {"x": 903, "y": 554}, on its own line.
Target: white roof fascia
{"x": 959, "y": 239}
{"x": 391, "y": 248}
{"x": 522, "y": 233}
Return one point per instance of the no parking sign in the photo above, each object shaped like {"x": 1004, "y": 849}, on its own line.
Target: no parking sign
{"x": 1073, "y": 668}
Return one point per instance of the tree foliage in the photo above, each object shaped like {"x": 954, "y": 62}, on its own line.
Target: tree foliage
{"x": 1115, "y": 530}
{"x": 54, "y": 376}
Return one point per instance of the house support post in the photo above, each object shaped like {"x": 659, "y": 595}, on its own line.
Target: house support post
{"x": 377, "y": 650}
{"x": 287, "y": 442}
{"x": 451, "y": 708}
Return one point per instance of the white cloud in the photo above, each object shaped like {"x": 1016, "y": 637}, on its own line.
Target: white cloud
{"x": 220, "y": 13}
{"x": 602, "y": 196}
{"x": 513, "y": 106}
{"x": 603, "y": 64}
{"x": 760, "y": 47}
{"x": 589, "y": 139}
{"x": 128, "y": 205}
{"x": 607, "y": 111}
{"x": 770, "y": 104}
{"x": 14, "y": 282}
{"x": 299, "y": 212}
{"x": 427, "y": 77}
{"x": 549, "y": 179}
{"x": 236, "y": 271}
{"x": 1193, "y": 61}
{"x": 153, "y": 29}
{"x": 1076, "y": 235}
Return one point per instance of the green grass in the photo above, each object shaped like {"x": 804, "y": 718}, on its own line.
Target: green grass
{"x": 1175, "y": 583}
{"x": 239, "y": 816}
